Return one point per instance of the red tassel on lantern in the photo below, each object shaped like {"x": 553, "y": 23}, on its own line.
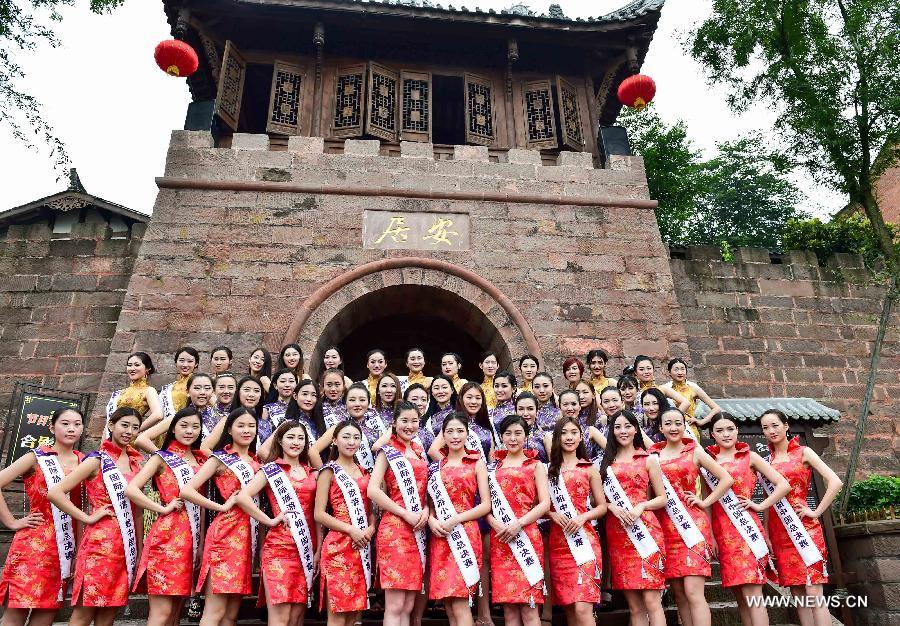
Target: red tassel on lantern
{"x": 176, "y": 58}
{"x": 637, "y": 91}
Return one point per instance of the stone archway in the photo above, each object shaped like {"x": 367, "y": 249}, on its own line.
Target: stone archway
{"x": 454, "y": 305}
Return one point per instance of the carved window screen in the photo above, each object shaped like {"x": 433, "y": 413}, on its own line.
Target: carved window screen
{"x": 415, "y": 109}
{"x": 231, "y": 86}
{"x": 569, "y": 115}
{"x": 540, "y": 126}
{"x": 349, "y": 96}
{"x": 285, "y": 99}
{"x": 381, "y": 117}
{"x": 480, "y": 123}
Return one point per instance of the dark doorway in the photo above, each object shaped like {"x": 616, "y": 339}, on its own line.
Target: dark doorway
{"x": 448, "y": 102}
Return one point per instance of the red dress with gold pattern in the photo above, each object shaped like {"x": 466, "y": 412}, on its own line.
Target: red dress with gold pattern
{"x": 167, "y": 557}
{"x": 569, "y": 582}
{"x": 399, "y": 561}
{"x": 343, "y": 576}
{"x": 282, "y": 572}
{"x": 683, "y": 473}
{"x": 508, "y": 582}
{"x": 792, "y": 571}
{"x": 101, "y": 572}
{"x": 445, "y": 580}
{"x": 627, "y": 568}
{"x": 226, "y": 551}
{"x": 737, "y": 561}
{"x": 31, "y": 576}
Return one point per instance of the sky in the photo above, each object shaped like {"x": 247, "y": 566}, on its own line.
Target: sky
{"x": 114, "y": 109}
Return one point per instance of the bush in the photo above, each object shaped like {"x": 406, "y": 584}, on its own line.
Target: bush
{"x": 851, "y": 234}
{"x": 875, "y": 492}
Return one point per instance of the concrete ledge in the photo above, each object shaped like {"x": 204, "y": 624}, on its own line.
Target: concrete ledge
{"x": 362, "y": 147}
{"x": 470, "y": 153}
{"x": 191, "y": 139}
{"x": 576, "y": 159}
{"x": 306, "y": 145}
{"x": 248, "y": 141}
{"x": 416, "y": 150}
{"x": 523, "y": 157}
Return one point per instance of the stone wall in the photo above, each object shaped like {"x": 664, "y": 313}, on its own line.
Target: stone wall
{"x": 870, "y": 555}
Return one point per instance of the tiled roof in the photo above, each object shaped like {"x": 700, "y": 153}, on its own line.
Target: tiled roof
{"x": 751, "y": 409}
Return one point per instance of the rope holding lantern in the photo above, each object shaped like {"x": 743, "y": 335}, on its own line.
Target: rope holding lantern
{"x": 637, "y": 91}
{"x": 176, "y": 58}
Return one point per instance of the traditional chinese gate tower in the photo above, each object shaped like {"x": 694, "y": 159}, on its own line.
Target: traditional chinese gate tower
{"x": 398, "y": 174}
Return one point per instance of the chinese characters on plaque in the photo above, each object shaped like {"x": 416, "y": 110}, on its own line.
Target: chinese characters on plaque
{"x": 398, "y": 230}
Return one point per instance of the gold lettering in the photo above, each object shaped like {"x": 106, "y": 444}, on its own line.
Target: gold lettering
{"x": 440, "y": 231}
{"x": 396, "y": 230}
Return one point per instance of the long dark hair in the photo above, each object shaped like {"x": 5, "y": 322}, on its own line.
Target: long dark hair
{"x": 403, "y": 405}
{"x": 379, "y": 403}
{"x": 266, "y": 369}
{"x": 293, "y": 410}
{"x": 226, "y": 439}
{"x": 188, "y": 411}
{"x": 333, "y": 453}
{"x": 556, "y": 451}
{"x": 277, "y": 450}
{"x": 272, "y": 395}
{"x": 433, "y": 406}
{"x": 481, "y": 418}
{"x": 236, "y": 401}
{"x": 298, "y": 371}
{"x": 552, "y": 399}
{"x": 663, "y": 403}
{"x": 612, "y": 444}
{"x": 145, "y": 359}
{"x": 593, "y": 408}
{"x": 122, "y": 411}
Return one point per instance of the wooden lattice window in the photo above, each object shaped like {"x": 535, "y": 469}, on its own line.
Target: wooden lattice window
{"x": 540, "y": 125}
{"x": 480, "y": 124}
{"x": 231, "y": 86}
{"x": 569, "y": 115}
{"x": 285, "y": 99}
{"x": 381, "y": 117}
{"x": 349, "y": 96}
{"x": 415, "y": 109}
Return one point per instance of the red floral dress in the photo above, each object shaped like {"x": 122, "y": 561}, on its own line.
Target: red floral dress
{"x": 792, "y": 570}
{"x": 627, "y": 568}
{"x": 399, "y": 561}
{"x": 101, "y": 572}
{"x": 508, "y": 582}
{"x": 31, "y": 577}
{"x": 569, "y": 582}
{"x": 445, "y": 578}
{"x": 683, "y": 473}
{"x": 226, "y": 551}
{"x": 738, "y": 563}
{"x": 282, "y": 571}
{"x": 167, "y": 558}
{"x": 342, "y": 570}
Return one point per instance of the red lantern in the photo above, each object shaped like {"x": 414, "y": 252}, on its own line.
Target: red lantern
{"x": 637, "y": 91}
{"x": 176, "y": 58}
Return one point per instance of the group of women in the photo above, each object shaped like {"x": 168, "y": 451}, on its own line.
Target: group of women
{"x": 437, "y": 488}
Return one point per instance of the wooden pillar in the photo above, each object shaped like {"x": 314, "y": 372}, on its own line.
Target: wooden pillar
{"x": 319, "y": 43}
{"x": 512, "y": 55}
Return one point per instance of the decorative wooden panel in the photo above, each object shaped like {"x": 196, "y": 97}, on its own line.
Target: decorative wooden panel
{"x": 285, "y": 99}
{"x": 212, "y": 55}
{"x": 381, "y": 116}
{"x": 415, "y": 106}
{"x": 569, "y": 114}
{"x": 480, "y": 123}
{"x": 540, "y": 127}
{"x": 231, "y": 85}
{"x": 349, "y": 96}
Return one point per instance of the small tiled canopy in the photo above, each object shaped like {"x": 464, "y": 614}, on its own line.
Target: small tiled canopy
{"x": 801, "y": 410}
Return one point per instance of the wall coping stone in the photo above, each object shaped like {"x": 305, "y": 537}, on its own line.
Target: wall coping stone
{"x": 362, "y": 147}
{"x": 860, "y": 529}
{"x": 470, "y": 153}
{"x": 752, "y": 255}
{"x": 191, "y": 139}
{"x": 306, "y": 145}
{"x": 248, "y": 141}
{"x": 518, "y": 156}
{"x": 417, "y": 150}
{"x": 576, "y": 159}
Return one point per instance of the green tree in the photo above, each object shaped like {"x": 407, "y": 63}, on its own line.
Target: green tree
{"x": 24, "y": 24}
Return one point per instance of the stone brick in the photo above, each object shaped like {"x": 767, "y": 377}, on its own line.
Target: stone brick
{"x": 306, "y": 145}
{"x": 362, "y": 147}
{"x": 248, "y": 141}
{"x": 575, "y": 159}
{"x": 524, "y": 157}
{"x": 416, "y": 150}
{"x": 190, "y": 139}
{"x": 470, "y": 153}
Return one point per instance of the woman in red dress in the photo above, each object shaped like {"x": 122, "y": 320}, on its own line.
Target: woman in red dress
{"x": 795, "y": 463}
{"x": 687, "y": 569}
{"x": 636, "y": 470}
{"x": 227, "y": 564}
{"x": 400, "y": 562}
{"x": 283, "y": 583}
{"x": 345, "y": 575}
{"x": 102, "y": 575}
{"x": 741, "y": 571}
{"x": 464, "y": 477}
{"x": 32, "y": 577}
{"x": 168, "y": 555}
{"x": 523, "y": 480}
{"x": 575, "y": 587}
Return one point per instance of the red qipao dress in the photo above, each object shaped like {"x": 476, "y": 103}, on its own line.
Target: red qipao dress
{"x": 343, "y": 576}
{"x": 226, "y": 551}
{"x": 738, "y": 563}
{"x": 682, "y": 473}
{"x": 508, "y": 582}
{"x": 461, "y": 481}
{"x": 627, "y": 568}
{"x": 101, "y": 572}
{"x": 791, "y": 568}
{"x": 167, "y": 558}
{"x": 570, "y": 583}
{"x": 282, "y": 571}
{"x": 31, "y": 577}
{"x": 399, "y": 562}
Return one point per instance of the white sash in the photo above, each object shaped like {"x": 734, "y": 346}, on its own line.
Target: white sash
{"x": 357, "y": 511}
{"x": 739, "y": 517}
{"x": 115, "y": 486}
{"x": 521, "y": 545}
{"x": 458, "y": 539}
{"x": 375, "y": 422}
{"x": 284, "y": 492}
{"x": 244, "y": 473}
{"x": 364, "y": 454}
{"x": 682, "y": 520}
{"x": 473, "y": 442}
{"x": 333, "y": 413}
{"x": 579, "y": 545}
{"x": 638, "y": 532}
{"x": 112, "y": 405}
{"x": 804, "y": 544}
{"x": 406, "y": 482}
{"x": 167, "y": 401}
{"x": 62, "y": 523}
{"x": 183, "y": 474}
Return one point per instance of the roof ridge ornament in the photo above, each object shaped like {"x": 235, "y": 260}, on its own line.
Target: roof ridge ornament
{"x": 75, "y": 181}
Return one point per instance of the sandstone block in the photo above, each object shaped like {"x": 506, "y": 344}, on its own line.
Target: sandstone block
{"x": 416, "y": 150}
{"x": 191, "y": 139}
{"x": 470, "y": 153}
{"x": 306, "y": 145}
{"x": 523, "y": 157}
{"x": 362, "y": 147}
{"x": 249, "y": 141}
{"x": 576, "y": 159}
